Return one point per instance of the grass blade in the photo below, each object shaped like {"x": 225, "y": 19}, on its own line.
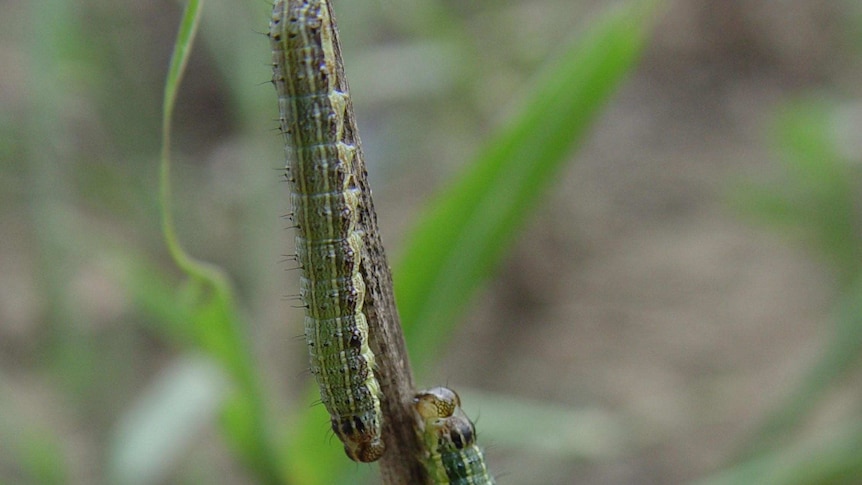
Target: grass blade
{"x": 215, "y": 322}
{"x": 467, "y": 229}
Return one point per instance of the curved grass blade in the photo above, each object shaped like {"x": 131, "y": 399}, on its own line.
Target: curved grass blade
{"x": 468, "y": 228}
{"x": 216, "y": 324}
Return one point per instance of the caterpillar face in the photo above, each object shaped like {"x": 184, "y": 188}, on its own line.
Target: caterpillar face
{"x": 437, "y": 402}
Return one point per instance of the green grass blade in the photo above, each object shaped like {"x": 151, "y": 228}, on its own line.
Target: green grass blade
{"x": 469, "y": 227}
{"x": 215, "y": 323}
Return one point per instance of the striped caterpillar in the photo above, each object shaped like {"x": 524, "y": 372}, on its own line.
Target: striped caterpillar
{"x": 323, "y": 163}
{"x": 452, "y": 456}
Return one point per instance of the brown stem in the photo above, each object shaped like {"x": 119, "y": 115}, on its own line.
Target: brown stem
{"x": 400, "y": 463}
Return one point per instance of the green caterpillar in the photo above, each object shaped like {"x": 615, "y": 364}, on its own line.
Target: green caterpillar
{"x": 452, "y": 456}
{"x": 323, "y": 166}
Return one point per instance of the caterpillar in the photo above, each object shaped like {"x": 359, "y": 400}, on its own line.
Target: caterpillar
{"x": 452, "y": 456}
{"x": 323, "y": 167}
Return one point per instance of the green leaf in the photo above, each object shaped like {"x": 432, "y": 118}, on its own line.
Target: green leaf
{"x": 467, "y": 229}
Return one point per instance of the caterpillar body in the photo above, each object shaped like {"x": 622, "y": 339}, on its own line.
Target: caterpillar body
{"x": 452, "y": 456}
{"x": 323, "y": 160}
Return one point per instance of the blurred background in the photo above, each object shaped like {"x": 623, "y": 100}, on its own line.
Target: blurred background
{"x": 691, "y": 277}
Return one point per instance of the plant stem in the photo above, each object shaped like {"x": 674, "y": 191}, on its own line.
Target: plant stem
{"x": 400, "y": 464}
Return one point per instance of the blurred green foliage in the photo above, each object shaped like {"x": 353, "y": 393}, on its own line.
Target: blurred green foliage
{"x": 115, "y": 347}
{"x": 815, "y": 200}
{"x": 817, "y": 196}
{"x": 94, "y": 220}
